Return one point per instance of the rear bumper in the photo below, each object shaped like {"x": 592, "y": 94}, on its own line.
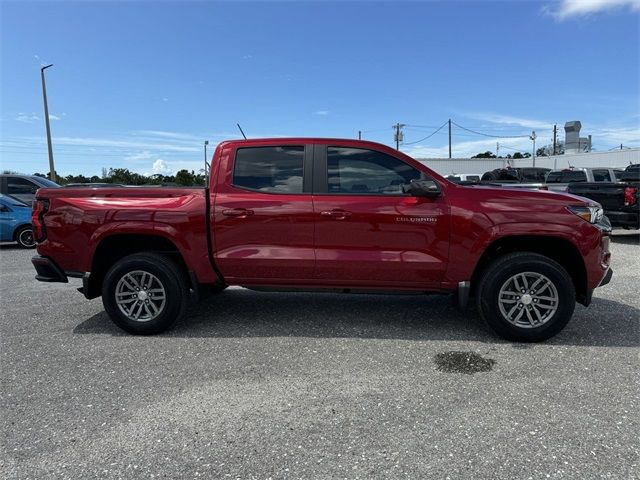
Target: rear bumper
{"x": 47, "y": 270}
{"x": 623, "y": 219}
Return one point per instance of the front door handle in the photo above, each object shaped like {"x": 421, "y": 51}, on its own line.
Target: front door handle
{"x": 337, "y": 213}
{"x": 237, "y": 212}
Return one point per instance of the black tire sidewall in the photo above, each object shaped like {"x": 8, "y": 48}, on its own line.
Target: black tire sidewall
{"x": 166, "y": 272}
{"x": 495, "y": 278}
{"x": 20, "y": 232}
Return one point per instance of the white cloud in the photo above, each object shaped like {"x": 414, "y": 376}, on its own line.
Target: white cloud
{"x": 144, "y": 155}
{"x": 321, "y": 112}
{"x": 578, "y": 8}
{"x": 53, "y": 117}
{"x": 27, "y": 117}
{"x": 166, "y": 134}
{"x": 509, "y": 120}
{"x": 165, "y": 99}
{"x": 161, "y": 166}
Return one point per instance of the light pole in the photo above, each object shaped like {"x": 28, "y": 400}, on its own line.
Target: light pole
{"x": 52, "y": 169}
{"x": 533, "y": 137}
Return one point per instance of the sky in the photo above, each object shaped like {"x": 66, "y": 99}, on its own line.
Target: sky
{"x": 143, "y": 84}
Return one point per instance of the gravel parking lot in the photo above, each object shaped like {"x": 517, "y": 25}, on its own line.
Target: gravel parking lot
{"x": 262, "y": 385}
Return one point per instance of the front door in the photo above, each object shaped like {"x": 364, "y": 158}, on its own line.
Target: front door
{"x": 370, "y": 233}
{"x": 263, "y": 215}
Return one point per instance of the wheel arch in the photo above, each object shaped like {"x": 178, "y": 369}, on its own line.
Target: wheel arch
{"x": 112, "y": 248}
{"x": 17, "y": 229}
{"x": 559, "y": 249}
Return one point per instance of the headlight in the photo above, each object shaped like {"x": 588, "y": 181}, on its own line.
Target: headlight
{"x": 590, "y": 214}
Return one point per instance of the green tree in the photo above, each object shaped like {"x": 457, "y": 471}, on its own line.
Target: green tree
{"x": 485, "y": 155}
{"x": 184, "y": 178}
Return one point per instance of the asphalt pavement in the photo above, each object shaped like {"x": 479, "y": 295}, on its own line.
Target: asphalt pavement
{"x": 296, "y": 385}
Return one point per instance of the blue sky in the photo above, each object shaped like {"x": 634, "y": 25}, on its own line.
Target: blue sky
{"x": 143, "y": 84}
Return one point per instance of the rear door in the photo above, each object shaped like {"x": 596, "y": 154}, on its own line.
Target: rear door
{"x": 263, "y": 214}
{"x": 368, "y": 232}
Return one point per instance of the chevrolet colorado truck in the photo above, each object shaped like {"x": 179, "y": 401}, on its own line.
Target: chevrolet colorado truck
{"x": 328, "y": 215}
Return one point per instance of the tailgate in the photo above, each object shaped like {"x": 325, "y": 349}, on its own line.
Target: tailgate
{"x": 609, "y": 195}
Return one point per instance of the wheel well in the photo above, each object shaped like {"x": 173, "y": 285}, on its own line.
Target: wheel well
{"x": 115, "y": 247}
{"x": 558, "y": 249}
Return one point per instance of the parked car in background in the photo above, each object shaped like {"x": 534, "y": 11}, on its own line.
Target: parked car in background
{"x": 464, "y": 178}
{"x": 517, "y": 177}
{"x": 618, "y": 199}
{"x": 325, "y": 214}
{"x": 559, "y": 180}
{"x": 15, "y": 222}
{"x": 24, "y": 187}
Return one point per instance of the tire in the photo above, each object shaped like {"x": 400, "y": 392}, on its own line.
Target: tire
{"x": 24, "y": 237}
{"x": 526, "y": 317}
{"x": 152, "y": 291}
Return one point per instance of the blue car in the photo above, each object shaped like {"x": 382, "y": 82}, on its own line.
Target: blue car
{"x": 15, "y": 222}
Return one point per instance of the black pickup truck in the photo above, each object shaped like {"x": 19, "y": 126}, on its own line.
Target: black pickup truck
{"x": 619, "y": 200}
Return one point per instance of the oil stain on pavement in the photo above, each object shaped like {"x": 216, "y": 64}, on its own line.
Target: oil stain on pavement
{"x": 463, "y": 362}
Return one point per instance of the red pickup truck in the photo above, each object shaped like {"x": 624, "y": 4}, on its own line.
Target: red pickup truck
{"x": 328, "y": 215}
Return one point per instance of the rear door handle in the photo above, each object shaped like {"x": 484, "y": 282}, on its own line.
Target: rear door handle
{"x": 337, "y": 213}
{"x": 237, "y": 212}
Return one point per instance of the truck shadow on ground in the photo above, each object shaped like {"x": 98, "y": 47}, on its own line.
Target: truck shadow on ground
{"x": 244, "y": 313}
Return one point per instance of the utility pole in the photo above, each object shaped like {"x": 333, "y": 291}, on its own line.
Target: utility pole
{"x": 555, "y": 136}
{"x": 52, "y": 169}
{"x": 449, "y": 138}
{"x": 497, "y": 149}
{"x": 207, "y": 167}
{"x": 398, "y": 135}
{"x": 533, "y": 137}
{"x": 359, "y": 134}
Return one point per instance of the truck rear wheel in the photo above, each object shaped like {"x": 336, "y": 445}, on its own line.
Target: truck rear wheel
{"x": 145, "y": 293}
{"x": 526, "y": 297}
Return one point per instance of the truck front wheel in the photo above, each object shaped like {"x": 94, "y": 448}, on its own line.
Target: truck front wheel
{"x": 526, "y": 297}
{"x": 144, "y": 293}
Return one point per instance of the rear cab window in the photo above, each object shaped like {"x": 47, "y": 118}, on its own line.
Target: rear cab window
{"x": 601, "y": 175}
{"x": 273, "y": 169}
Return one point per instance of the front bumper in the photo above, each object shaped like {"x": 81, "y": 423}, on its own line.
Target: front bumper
{"x": 607, "y": 277}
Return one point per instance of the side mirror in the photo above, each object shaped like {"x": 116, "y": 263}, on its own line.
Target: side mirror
{"x": 422, "y": 188}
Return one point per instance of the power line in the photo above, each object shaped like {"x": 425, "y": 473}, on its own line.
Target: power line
{"x": 486, "y": 134}
{"x": 428, "y": 136}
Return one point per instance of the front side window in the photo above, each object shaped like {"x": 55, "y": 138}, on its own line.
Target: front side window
{"x": 356, "y": 171}
{"x": 20, "y": 186}
{"x": 269, "y": 169}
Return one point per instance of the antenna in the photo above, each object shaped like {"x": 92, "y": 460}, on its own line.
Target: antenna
{"x": 245, "y": 137}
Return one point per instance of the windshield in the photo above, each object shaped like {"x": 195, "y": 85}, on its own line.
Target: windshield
{"x": 45, "y": 182}
{"x": 13, "y": 202}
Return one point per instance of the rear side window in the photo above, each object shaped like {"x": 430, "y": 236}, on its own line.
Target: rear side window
{"x": 601, "y": 176}
{"x": 533, "y": 174}
{"x": 20, "y": 186}
{"x": 567, "y": 176}
{"x": 269, "y": 169}
{"x": 355, "y": 171}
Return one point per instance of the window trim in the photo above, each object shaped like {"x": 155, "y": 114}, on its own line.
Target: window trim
{"x": 306, "y": 170}
{"x": 321, "y": 174}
